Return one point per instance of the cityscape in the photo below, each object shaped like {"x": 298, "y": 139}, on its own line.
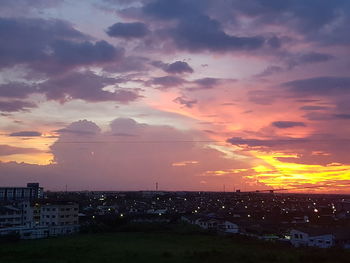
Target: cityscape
{"x": 174, "y": 131}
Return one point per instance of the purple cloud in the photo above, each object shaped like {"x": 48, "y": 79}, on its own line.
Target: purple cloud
{"x": 177, "y": 67}
{"x": 185, "y": 101}
{"x": 168, "y": 81}
{"x": 128, "y": 30}
{"x": 51, "y": 46}
{"x": 16, "y": 90}
{"x": 25, "y": 134}
{"x": 319, "y": 86}
{"x": 85, "y": 86}
{"x": 16, "y": 105}
{"x": 10, "y": 150}
{"x": 288, "y": 124}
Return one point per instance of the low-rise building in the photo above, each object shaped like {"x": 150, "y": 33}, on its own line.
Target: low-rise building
{"x": 312, "y": 238}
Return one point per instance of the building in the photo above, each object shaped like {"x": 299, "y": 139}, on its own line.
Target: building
{"x": 10, "y": 216}
{"x": 60, "y": 218}
{"x": 31, "y": 192}
{"x": 38, "y": 220}
{"x": 312, "y": 238}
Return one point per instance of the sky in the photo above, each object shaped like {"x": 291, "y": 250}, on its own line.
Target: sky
{"x": 197, "y": 95}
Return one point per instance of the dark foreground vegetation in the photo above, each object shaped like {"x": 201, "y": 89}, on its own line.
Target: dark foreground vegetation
{"x": 160, "y": 244}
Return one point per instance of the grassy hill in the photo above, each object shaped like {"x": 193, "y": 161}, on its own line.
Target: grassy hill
{"x": 167, "y": 247}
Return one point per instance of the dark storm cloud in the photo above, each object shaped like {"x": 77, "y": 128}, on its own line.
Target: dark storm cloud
{"x": 287, "y": 124}
{"x": 16, "y": 105}
{"x": 128, "y": 30}
{"x": 25, "y": 134}
{"x": 319, "y": 86}
{"x": 86, "y": 86}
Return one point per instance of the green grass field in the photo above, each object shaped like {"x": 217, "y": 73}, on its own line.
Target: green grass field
{"x": 159, "y": 247}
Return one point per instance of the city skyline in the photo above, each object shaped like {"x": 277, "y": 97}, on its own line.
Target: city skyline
{"x": 193, "y": 94}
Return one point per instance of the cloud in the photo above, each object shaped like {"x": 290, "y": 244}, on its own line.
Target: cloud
{"x": 6, "y": 150}
{"x": 185, "y": 101}
{"x": 38, "y": 34}
{"x": 22, "y": 7}
{"x": 84, "y": 53}
{"x": 294, "y": 60}
{"x": 265, "y": 142}
{"x": 85, "y": 86}
{"x": 319, "y": 86}
{"x": 91, "y": 159}
{"x": 79, "y": 128}
{"x": 25, "y": 134}
{"x": 128, "y": 30}
{"x": 288, "y": 124}
{"x": 177, "y": 67}
{"x": 313, "y": 107}
{"x": 16, "y": 105}
{"x": 344, "y": 116}
{"x": 51, "y": 46}
{"x": 169, "y": 9}
{"x": 326, "y": 25}
{"x": 168, "y": 81}
{"x": 202, "y": 33}
{"x": 16, "y": 90}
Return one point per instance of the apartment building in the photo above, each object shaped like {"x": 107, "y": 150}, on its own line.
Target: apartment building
{"x": 31, "y": 192}
{"x": 60, "y": 218}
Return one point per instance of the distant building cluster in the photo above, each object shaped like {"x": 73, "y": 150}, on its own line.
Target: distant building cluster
{"x": 300, "y": 220}
{"x": 24, "y": 212}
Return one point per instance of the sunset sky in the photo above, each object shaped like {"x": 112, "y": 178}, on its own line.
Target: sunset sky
{"x": 192, "y": 94}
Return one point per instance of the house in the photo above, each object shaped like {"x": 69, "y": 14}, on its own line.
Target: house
{"x": 228, "y": 227}
{"x": 207, "y": 223}
{"x": 312, "y": 238}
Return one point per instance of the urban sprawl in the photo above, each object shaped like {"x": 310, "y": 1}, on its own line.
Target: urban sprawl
{"x": 299, "y": 219}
